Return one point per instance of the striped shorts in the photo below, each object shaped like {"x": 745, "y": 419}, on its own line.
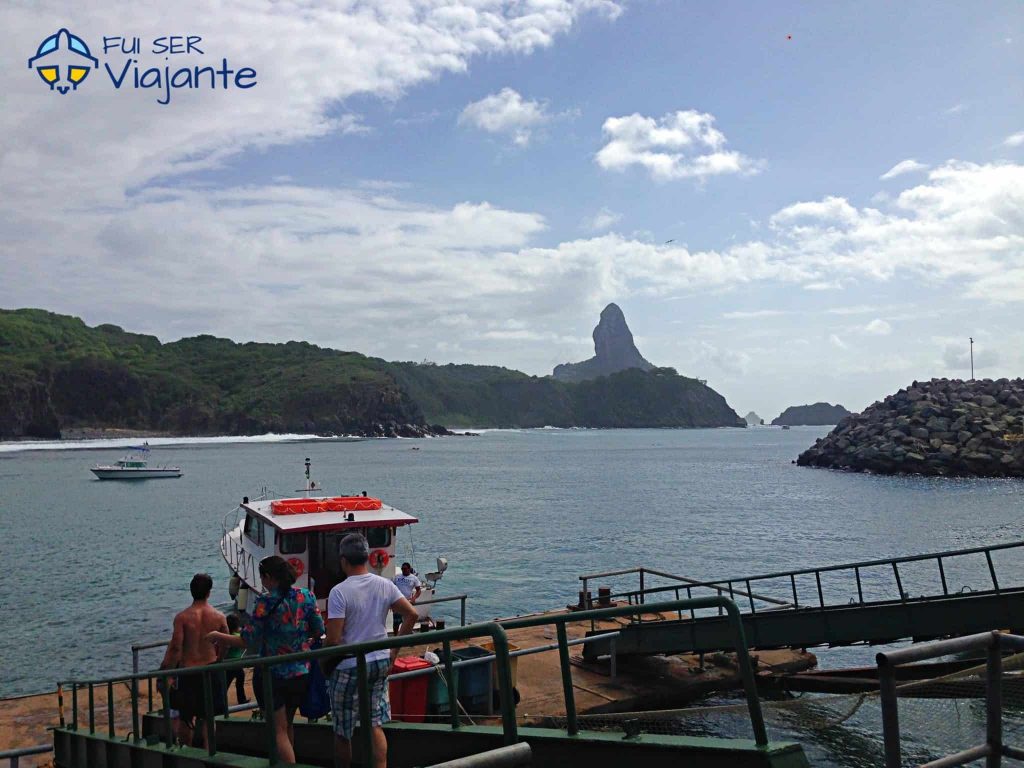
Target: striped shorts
{"x": 345, "y": 696}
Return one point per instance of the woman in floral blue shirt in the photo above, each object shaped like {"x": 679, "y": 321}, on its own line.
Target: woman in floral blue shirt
{"x": 284, "y": 620}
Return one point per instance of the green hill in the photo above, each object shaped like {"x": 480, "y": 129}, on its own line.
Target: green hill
{"x": 58, "y": 373}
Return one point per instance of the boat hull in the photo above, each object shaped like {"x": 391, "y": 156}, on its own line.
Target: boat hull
{"x": 116, "y": 473}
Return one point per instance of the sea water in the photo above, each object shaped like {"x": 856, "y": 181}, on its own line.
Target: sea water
{"x": 90, "y": 567}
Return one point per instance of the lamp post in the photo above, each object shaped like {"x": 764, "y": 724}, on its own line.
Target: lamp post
{"x": 971, "y": 338}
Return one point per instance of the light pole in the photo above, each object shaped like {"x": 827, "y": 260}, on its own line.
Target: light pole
{"x": 972, "y": 356}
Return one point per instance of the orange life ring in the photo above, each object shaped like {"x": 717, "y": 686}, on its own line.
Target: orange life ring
{"x": 298, "y": 565}
{"x": 379, "y": 558}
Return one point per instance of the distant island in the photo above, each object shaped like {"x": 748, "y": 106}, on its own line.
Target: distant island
{"x": 937, "y": 427}
{"x": 59, "y": 375}
{"x": 816, "y": 415}
{"x": 753, "y": 420}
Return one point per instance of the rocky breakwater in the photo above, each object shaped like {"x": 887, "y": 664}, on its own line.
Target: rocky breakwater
{"x": 937, "y": 427}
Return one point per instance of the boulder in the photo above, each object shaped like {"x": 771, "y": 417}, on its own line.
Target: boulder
{"x": 937, "y": 427}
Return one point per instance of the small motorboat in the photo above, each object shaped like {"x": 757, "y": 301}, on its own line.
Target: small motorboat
{"x": 134, "y": 467}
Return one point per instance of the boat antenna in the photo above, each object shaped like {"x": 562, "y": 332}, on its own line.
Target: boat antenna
{"x": 310, "y": 483}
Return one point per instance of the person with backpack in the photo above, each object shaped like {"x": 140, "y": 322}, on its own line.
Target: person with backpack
{"x": 285, "y": 619}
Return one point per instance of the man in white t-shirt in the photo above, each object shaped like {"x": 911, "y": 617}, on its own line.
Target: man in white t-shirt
{"x": 410, "y": 586}
{"x": 357, "y": 610}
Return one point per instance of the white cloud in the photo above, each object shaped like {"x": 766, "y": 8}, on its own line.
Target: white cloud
{"x": 1014, "y": 139}
{"x": 957, "y": 357}
{"x": 300, "y": 253}
{"x": 837, "y": 342}
{"x": 878, "y": 327}
{"x": 684, "y": 144}
{"x": 309, "y": 58}
{"x": 602, "y": 220}
{"x": 826, "y": 285}
{"x": 902, "y": 167}
{"x": 730, "y": 361}
{"x": 506, "y": 112}
{"x": 755, "y": 314}
{"x": 957, "y": 109}
{"x": 859, "y": 309}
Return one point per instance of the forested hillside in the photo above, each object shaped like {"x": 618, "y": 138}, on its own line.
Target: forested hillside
{"x": 58, "y": 373}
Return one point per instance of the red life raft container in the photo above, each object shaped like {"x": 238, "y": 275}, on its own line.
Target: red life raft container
{"x": 333, "y": 504}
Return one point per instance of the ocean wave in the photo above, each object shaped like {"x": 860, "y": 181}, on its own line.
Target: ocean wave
{"x": 128, "y": 442}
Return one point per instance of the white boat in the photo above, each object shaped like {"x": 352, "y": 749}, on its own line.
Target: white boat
{"x": 306, "y": 531}
{"x": 134, "y": 467}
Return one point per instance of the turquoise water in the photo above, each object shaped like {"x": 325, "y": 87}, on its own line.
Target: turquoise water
{"x": 90, "y": 566}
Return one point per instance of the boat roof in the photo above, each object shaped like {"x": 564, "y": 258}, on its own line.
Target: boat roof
{"x": 329, "y": 521}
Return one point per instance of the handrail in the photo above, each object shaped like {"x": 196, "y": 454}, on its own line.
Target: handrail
{"x": 728, "y": 584}
{"x": 498, "y": 635}
{"x": 13, "y": 755}
{"x": 357, "y": 650}
{"x": 447, "y": 599}
{"x": 715, "y": 601}
{"x": 513, "y": 756}
{"x": 993, "y": 643}
{"x": 642, "y": 569}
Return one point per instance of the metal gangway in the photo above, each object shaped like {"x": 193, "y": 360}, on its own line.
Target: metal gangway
{"x": 917, "y": 597}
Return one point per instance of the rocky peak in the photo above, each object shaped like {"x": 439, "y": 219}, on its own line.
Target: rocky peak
{"x": 614, "y": 350}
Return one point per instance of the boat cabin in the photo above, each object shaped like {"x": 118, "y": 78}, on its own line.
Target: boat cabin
{"x": 306, "y": 532}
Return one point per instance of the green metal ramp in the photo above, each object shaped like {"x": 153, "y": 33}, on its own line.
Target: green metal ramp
{"x": 863, "y": 614}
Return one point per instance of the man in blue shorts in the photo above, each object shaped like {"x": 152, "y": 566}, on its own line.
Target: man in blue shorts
{"x": 357, "y": 610}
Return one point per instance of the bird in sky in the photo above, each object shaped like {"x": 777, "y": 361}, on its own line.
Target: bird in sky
{"x": 669, "y": 241}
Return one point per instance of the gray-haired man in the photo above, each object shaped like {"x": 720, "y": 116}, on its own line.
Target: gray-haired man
{"x": 357, "y": 610}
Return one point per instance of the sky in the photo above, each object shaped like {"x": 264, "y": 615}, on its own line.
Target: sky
{"x": 798, "y": 202}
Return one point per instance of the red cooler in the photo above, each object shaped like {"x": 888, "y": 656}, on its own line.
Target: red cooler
{"x": 409, "y": 696}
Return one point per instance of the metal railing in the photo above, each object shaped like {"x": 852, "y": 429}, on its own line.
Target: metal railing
{"x": 14, "y": 755}
{"x": 742, "y": 586}
{"x": 358, "y": 651}
{"x": 496, "y": 632}
{"x": 638, "y": 597}
{"x": 450, "y": 598}
{"x": 514, "y": 756}
{"x": 239, "y": 559}
{"x": 993, "y": 750}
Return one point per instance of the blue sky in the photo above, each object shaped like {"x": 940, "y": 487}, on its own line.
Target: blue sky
{"x": 474, "y": 182}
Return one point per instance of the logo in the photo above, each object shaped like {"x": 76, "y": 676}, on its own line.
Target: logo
{"x": 163, "y": 65}
{"x": 63, "y": 61}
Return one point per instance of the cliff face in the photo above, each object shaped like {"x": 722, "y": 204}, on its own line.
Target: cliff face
{"x": 937, "y": 427}
{"x": 817, "y": 415}
{"x": 614, "y": 350}
{"x": 753, "y": 420}
{"x": 25, "y": 408}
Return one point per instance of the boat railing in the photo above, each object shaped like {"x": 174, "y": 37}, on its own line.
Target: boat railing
{"x": 993, "y": 643}
{"x": 883, "y": 574}
{"x": 238, "y": 558}
{"x": 496, "y": 632}
{"x": 449, "y": 599}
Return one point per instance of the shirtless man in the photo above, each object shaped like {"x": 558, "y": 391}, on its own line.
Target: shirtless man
{"x": 190, "y": 648}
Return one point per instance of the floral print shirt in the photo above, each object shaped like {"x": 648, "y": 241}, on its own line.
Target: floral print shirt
{"x": 287, "y": 630}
